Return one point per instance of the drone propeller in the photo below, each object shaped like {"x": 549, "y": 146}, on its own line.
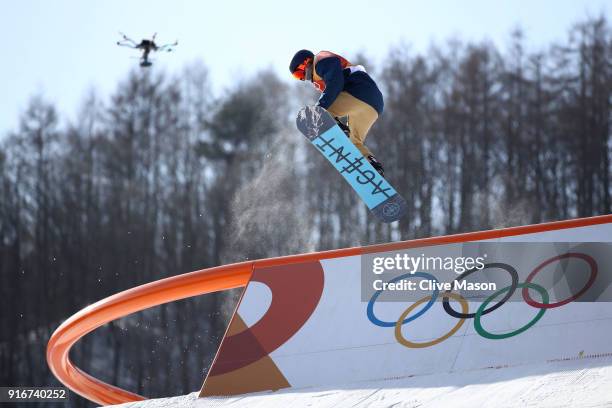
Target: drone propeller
{"x": 168, "y": 47}
{"x": 126, "y": 41}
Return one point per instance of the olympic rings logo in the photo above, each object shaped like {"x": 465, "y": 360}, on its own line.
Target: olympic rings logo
{"x": 483, "y": 309}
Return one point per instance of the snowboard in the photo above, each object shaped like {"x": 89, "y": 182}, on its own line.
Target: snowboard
{"x": 321, "y": 129}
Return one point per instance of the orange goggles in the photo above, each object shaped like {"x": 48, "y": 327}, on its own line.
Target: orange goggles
{"x": 300, "y": 71}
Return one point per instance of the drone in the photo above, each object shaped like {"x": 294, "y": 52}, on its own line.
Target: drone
{"x": 146, "y": 46}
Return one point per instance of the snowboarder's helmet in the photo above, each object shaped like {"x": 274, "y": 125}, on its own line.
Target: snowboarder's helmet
{"x": 299, "y": 62}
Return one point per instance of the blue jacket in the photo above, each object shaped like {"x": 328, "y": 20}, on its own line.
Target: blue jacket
{"x": 359, "y": 84}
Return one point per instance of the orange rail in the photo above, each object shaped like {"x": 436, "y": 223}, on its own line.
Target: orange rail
{"x": 122, "y": 304}
{"x": 213, "y": 280}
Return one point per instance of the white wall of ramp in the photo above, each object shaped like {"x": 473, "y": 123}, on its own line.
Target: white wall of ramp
{"x": 339, "y": 345}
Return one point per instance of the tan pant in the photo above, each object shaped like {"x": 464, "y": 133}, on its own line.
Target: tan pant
{"x": 361, "y": 117}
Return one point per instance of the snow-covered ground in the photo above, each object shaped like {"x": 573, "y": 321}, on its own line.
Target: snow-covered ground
{"x": 581, "y": 382}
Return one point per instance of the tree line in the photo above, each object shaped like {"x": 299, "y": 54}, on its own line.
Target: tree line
{"x": 166, "y": 177}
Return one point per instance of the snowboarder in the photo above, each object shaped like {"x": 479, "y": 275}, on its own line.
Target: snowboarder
{"x": 346, "y": 91}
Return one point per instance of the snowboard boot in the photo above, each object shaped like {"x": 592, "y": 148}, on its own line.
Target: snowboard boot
{"x": 377, "y": 165}
{"x": 344, "y": 127}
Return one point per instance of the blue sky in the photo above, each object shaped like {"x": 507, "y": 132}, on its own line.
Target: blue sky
{"x": 63, "y": 48}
